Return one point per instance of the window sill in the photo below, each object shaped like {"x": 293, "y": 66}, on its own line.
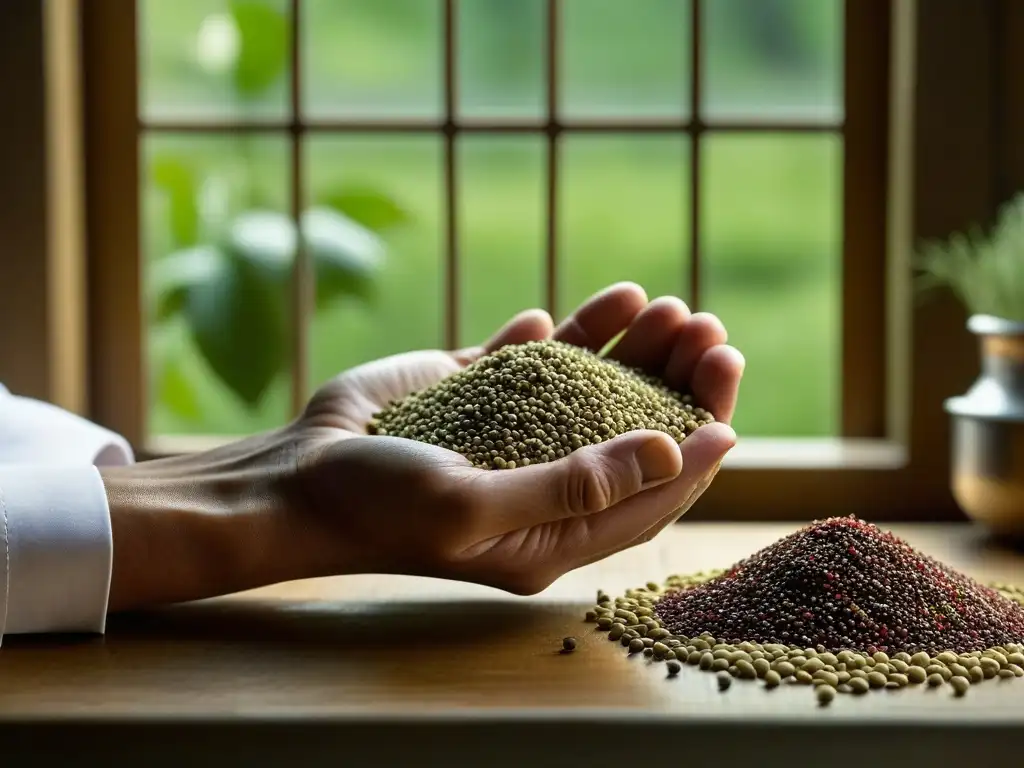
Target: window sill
{"x": 816, "y": 453}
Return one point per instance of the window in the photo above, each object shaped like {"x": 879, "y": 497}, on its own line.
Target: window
{"x": 506, "y": 155}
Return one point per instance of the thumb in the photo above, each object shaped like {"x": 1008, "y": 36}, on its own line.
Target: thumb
{"x": 585, "y": 482}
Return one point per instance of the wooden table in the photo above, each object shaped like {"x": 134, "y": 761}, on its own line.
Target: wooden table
{"x": 348, "y": 670}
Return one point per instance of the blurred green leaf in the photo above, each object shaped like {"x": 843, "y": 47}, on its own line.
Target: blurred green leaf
{"x": 239, "y": 324}
{"x": 263, "y": 46}
{"x": 346, "y": 255}
{"x": 177, "y": 391}
{"x": 174, "y": 177}
{"x": 370, "y": 207}
{"x": 265, "y": 239}
{"x": 170, "y": 278}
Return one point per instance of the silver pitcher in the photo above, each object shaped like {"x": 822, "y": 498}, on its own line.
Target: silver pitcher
{"x": 988, "y": 430}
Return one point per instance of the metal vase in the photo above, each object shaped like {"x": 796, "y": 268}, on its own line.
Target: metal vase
{"x": 988, "y": 430}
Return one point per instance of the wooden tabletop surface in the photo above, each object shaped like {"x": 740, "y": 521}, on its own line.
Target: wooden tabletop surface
{"x": 385, "y": 664}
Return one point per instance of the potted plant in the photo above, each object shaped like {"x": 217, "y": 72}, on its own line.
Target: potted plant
{"x": 986, "y": 272}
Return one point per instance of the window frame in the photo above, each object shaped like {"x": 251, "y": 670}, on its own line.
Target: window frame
{"x": 891, "y": 462}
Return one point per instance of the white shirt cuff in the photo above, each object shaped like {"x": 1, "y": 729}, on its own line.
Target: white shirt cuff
{"x": 58, "y": 548}
{"x": 56, "y": 545}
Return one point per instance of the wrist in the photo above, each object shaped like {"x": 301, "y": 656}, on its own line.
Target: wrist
{"x": 198, "y": 526}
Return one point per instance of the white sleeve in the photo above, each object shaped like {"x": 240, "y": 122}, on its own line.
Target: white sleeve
{"x": 55, "y": 529}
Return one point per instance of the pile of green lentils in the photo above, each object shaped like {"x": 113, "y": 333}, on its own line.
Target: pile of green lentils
{"x": 537, "y": 402}
{"x": 631, "y": 620}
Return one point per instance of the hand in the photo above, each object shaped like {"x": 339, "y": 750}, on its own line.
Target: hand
{"x": 387, "y": 504}
{"x": 321, "y": 497}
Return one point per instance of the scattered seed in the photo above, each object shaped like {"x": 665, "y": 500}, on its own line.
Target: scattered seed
{"x": 819, "y": 639}
{"x": 724, "y": 680}
{"x": 569, "y": 644}
{"x": 825, "y": 694}
{"x": 859, "y": 685}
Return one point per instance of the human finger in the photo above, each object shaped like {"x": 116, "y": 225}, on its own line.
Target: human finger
{"x": 701, "y": 332}
{"x": 716, "y": 381}
{"x": 615, "y": 528}
{"x": 602, "y": 317}
{"x": 651, "y": 337}
{"x": 587, "y": 481}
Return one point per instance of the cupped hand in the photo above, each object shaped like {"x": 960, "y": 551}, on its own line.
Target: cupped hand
{"x": 387, "y": 505}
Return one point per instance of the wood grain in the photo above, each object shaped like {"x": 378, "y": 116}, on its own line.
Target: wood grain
{"x": 334, "y": 658}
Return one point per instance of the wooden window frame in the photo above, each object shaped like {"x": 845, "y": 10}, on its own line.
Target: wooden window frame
{"x": 900, "y": 358}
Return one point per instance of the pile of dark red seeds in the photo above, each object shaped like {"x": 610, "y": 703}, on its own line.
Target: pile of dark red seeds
{"x": 843, "y": 583}
{"x": 840, "y": 605}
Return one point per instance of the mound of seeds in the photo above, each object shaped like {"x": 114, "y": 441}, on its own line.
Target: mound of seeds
{"x": 839, "y": 604}
{"x": 537, "y": 402}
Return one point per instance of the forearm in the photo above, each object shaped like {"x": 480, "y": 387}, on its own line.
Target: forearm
{"x": 199, "y": 526}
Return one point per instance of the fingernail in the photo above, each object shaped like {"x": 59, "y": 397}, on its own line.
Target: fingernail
{"x": 659, "y": 460}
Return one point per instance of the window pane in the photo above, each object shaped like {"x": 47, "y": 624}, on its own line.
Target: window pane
{"x": 501, "y": 58}
{"x": 372, "y": 58}
{"x": 771, "y": 260}
{"x": 624, "y": 215}
{"x": 214, "y": 59}
{"x": 501, "y": 230}
{"x": 219, "y": 329}
{"x": 392, "y": 186}
{"x": 625, "y": 58}
{"x": 773, "y": 58}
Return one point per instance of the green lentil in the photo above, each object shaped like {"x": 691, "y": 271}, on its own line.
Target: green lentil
{"x": 772, "y": 678}
{"x": 958, "y": 670}
{"x": 859, "y": 685}
{"x": 746, "y": 669}
{"x": 825, "y": 694}
{"x": 673, "y": 667}
{"x": 724, "y": 680}
{"x": 1006, "y": 674}
{"x": 785, "y": 668}
{"x": 804, "y": 677}
{"x": 916, "y": 675}
{"x": 706, "y": 660}
{"x": 935, "y": 680}
{"x": 720, "y": 665}
{"x": 976, "y": 675}
{"x": 569, "y": 644}
{"x": 939, "y": 669}
{"x": 920, "y": 659}
{"x": 636, "y": 645}
{"x": 762, "y": 667}
{"x": 877, "y": 679}
{"x": 829, "y": 678}
{"x": 960, "y": 685}
{"x": 1016, "y": 669}
{"x": 899, "y": 678}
